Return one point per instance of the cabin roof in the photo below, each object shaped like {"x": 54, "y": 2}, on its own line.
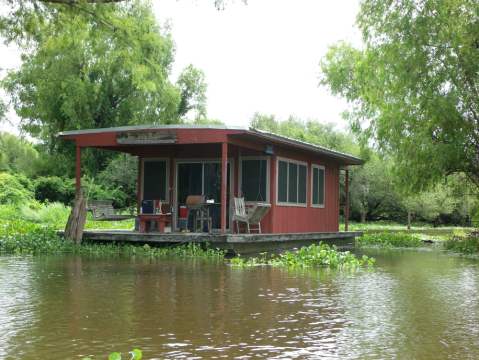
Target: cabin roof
{"x": 249, "y": 133}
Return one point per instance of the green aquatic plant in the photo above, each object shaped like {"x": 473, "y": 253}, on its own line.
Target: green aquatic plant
{"x": 321, "y": 255}
{"x": 464, "y": 243}
{"x": 135, "y": 354}
{"x": 389, "y": 239}
{"x": 23, "y": 237}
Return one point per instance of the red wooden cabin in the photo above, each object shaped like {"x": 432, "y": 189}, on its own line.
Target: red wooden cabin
{"x": 298, "y": 179}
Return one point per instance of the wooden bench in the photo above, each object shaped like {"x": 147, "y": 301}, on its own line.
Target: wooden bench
{"x": 102, "y": 210}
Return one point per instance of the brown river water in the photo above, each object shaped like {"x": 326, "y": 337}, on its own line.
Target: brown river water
{"x": 413, "y": 305}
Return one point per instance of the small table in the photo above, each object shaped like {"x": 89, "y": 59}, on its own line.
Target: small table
{"x": 204, "y": 215}
{"x": 160, "y": 219}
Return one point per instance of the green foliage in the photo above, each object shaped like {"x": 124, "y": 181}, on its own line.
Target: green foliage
{"x": 120, "y": 175}
{"x": 193, "y": 88}
{"x": 50, "y": 214}
{"x": 465, "y": 244}
{"x": 54, "y": 189}
{"x": 372, "y": 192}
{"x": 93, "y": 65}
{"x": 114, "y": 356}
{"x": 321, "y": 255}
{"x": 310, "y": 131}
{"x": 135, "y": 354}
{"x": 389, "y": 239}
{"x": 13, "y": 189}
{"x": 25, "y": 237}
{"x": 429, "y": 205}
{"x": 17, "y": 155}
{"x": 413, "y": 87}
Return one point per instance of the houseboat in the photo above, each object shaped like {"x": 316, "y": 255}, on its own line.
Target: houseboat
{"x": 298, "y": 182}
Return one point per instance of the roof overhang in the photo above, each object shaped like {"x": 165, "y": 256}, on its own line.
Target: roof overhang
{"x": 145, "y": 135}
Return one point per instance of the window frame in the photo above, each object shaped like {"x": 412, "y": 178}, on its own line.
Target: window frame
{"x": 268, "y": 170}
{"x": 297, "y": 162}
{"x": 319, "y": 167}
{"x": 167, "y": 171}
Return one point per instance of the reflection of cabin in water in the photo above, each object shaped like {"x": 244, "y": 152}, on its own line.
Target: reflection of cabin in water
{"x": 300, "y": 181}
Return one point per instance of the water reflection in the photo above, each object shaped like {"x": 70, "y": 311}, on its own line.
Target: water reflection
{"x": 414, "y": 305}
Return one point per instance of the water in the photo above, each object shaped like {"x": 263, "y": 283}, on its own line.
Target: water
{"x": 413, "y": 305}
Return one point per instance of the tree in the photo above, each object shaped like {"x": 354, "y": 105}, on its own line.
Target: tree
{"x": 90, "y": 66}
{"x": 372, "y": 191}
{"x": 414, "y": 87}
{"x": 429, "y": 205}
{"x": 310, "y": 131}
{"x": 17, "y": 155}
{"x": 193, "y": 87}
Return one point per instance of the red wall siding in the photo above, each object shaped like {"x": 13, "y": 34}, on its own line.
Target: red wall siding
{"x": 290, "y": 219}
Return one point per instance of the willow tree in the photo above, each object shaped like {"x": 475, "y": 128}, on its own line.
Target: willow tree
{"x": 90, "y": 65}
{"x": 414, "y": 86}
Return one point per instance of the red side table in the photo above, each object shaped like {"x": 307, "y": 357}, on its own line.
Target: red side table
{"x": 160, "y": 219}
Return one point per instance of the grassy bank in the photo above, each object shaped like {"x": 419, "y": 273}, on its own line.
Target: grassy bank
{"x": 389, "y": 239}
{"x": 465, "y": 244}
{"x": 24, "y": 237}
{"x": 321, "y": 255}
{"x": 380, "y": 226}
{"x": 55, "y": 215}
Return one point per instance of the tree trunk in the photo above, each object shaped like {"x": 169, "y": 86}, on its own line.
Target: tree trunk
{"x": 363, "y": 216}
{"x": 76, "y": 220}
{"x": 408, "y": 220}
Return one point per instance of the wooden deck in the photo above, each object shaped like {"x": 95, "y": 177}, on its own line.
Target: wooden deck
{"x": 241, "y": 243}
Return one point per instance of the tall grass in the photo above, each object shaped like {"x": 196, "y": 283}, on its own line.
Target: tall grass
{"x": 55, "y": 215}
{"x": 389, "y": 239}
{"x": 463, "y": 243}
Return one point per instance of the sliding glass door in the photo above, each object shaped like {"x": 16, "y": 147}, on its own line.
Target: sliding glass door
{"x": 203, "y": 178}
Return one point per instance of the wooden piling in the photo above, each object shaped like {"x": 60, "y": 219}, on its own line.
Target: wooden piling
{"x": 76, "y": 220}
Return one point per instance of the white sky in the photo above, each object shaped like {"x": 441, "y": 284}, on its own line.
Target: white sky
{"x": 263, "y": 56}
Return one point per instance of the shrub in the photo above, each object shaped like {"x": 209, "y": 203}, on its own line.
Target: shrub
{"x": 54, "y": 189}
{"x": 14, "y": 190}
{"x": 389, "y": 239}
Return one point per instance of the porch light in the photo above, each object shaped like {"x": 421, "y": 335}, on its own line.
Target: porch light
{"x": 269, "y": 150}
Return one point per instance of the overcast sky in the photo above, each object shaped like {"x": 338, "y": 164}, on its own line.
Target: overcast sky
{"x": 262, "y": 56}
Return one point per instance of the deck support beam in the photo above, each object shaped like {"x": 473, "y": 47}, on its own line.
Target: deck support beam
{"x": 224, "y": 180}
{"x": 78, "y": 170}
{"x": 346, "y": 206}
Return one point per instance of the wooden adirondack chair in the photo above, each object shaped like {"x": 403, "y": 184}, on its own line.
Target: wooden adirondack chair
{"x": 251, "y": 216}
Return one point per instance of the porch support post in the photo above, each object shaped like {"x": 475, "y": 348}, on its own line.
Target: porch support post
{"x": 346, "y": 206}
{"x": 78, "y": 170}
{"x": 224, "y": 172}
{"x": 138, "y": 186}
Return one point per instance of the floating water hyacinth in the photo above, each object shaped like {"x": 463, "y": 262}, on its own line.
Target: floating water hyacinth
{"x": 321, "y": 255}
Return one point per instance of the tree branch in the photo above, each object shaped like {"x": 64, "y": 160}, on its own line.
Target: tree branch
{"x": 73, "y": 2}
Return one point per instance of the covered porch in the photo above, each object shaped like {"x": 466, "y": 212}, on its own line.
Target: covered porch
{"x": 176, "y": 164}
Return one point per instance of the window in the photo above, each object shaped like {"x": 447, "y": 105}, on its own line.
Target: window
{"x": 317, "y": 184}
{"x": 254, "y": 179}
{"x": 155, "y": 180}
{"x": 292, "y": 182}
